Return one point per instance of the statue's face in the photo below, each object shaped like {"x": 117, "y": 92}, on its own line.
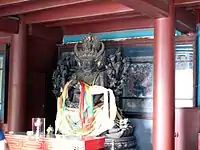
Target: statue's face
{"x": 91, "y": 51}
{"x": 87, "y": 65}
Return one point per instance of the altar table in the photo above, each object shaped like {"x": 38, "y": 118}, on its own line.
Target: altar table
{"x": 21, "y": 141}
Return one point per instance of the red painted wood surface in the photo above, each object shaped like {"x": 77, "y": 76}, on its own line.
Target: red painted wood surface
{"x": 186, "y": 18}
{"x": 63, "y": 12}
{"x": 76, "y": 11}
{"x": 96, "y": 19}
{"x": 9, "y": 25}
{"x": 199, "y": 141}
{"x": 42, "y": 32}
{"x": 186, "y": 2}
{"x": 154, "y": 9}
{"x": 164, "y": 85}
{"x": 41, "y": 59}
{"x": 17, "y": 81}
{"x": 11, "y": 2}
{"x": 18, "y": 142}
{"x": 36, "y": 5}
{"x": 187, "y": 127}
{"x": 111, "y": 25}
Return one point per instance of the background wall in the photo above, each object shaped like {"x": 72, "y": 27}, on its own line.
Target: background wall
{"x": 42, "y": 57}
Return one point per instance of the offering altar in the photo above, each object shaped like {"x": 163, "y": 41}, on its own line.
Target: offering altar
{"x": 20, "y": 141}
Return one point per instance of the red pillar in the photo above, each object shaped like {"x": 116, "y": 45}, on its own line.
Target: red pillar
{"x": 164, "y": 85}
{"x": 17, "y": 81}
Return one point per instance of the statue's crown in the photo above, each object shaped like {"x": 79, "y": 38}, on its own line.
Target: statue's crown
{"x": 91, "y": 48}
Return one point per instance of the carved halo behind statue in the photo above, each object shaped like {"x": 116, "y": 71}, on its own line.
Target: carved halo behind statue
{"x": 87, "y": 93}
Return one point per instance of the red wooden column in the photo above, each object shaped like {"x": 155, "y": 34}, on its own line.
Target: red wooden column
{"x": 17, "y": 81}
{"x": 164, "y": 85}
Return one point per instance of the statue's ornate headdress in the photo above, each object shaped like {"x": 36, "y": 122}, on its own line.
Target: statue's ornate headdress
{"x": 92, "y": 48}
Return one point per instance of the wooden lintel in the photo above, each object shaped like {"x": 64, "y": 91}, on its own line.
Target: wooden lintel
{"x": 40, "y": 31}
{"x": 12, "y": 2}
{"x": 9, "y": 25}
{"x": 184, "y": 3}
{"x": 96, "y": 8}
{"x": 185, "y": 20}
{"x": 151, "y": 8}
{"x": 108, "y": 26}
{"x": 37, "y": 5}
{"x": 116, "y": 16}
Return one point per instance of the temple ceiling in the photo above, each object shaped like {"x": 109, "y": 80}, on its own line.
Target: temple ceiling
{"x": 83, "y": 16}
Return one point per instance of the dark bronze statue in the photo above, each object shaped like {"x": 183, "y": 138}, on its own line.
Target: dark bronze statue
{"x": 92, "y": 65}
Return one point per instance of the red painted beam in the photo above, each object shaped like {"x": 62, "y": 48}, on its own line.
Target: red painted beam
{"x": 12, "y": 2}
{"x": 108, "y": 26}
{"x": 185, "y": 20}
{"x": 76, "y": 11}
{"x": 197, "y": 16}
{"x": 194, "y": 7}
{"x": 158, "y": 8}
{"x": 9, "y": 25}
{"x": 93, "y": 19}
{"x": 152, "y": 8}
{"x": 36, "y": 6}
{"x": 40, "y": 31}
{"x": 5, "y": 38}
{"x": 186, "y": 2}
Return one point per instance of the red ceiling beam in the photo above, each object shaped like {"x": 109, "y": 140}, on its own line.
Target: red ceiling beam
{"x": 186, "y": 2}
{"x": 40, "y": 31}
{"x": 37, "y": 5}
{"x": 108, "y": 26}
{"x": 76, "y": 11}
{"x": 93, "y": 19}
{"x": 185, "y": 20}
{"x": 12, "y": 2}
{"x": 152, "y": 8}
{"x": 197, "y": 16}
{"x": 9, "y": 25}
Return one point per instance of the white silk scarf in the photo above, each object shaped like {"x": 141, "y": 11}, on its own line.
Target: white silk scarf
{"x": 104, "y": 116}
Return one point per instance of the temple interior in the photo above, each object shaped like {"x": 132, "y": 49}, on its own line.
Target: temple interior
{"x": 126, "y": 72}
